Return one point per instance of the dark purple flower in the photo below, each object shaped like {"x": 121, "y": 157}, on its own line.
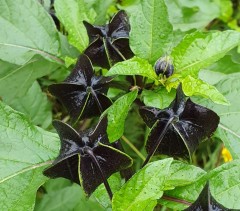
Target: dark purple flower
{"x": 178, "y": 129}
{"x": 83, "y": 93}
{"x": 109, "y": 44}
{"x": 86, "y": 158}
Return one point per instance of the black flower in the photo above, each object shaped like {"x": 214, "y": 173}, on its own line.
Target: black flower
{"x": 178, "y": 129}
{"x": 83, "y": 93}
{"x": 109, "y": 44}
{"x": 86, "y": 158}
{"x": 205, "y": 201}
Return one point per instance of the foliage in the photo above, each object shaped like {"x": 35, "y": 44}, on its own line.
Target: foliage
{"x": 154, "y": 80}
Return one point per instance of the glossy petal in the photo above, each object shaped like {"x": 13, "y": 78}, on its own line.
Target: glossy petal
{"x": 83, "y": 93}
{"x": 123, "y": 44}
{"x": 72, "y": 96}
{"x": 94, "y": 31}
{"x": 109, "y": 44}
{"x": 110, "y": 159}
{"x": 97, "y": 53}
{"x": 194, "y": 124}
{"x": 82, "y": 72}
{"x": 66, "y": 168}
{"x": 76, "y": 164}
{"x": 206, "y": 202}
{"x": 119, "y": 26}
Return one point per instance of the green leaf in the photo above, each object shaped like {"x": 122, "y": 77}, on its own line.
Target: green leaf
{"x": 144, "y": 188}
{"x": 192, "y": 86}
{"x": 225, "y": 184}
{"x": 101, "y": 194}
{"x": 26, "y": 30}
{"x": 199, "y": 50}
{"x": 151, "y": 31}
{"x": 229, "y": 128}
{"x": 226, "y": 9}
{"x": 134, "y": 66}
{"x": 25, "y": 151}
{"x": 35, "y": 105}
{"x": 188, "y": 14}
{"x": 15, "y": 81}
{"x": 179, "y": 175}
{"x": 158, "y": 97}
{"x": 117, "y": 114}
{"x": 71, "y": 13}
{"x": 101, "y": 8}
{"x": 225, "y": 65}
{"x": 181, "y": 186}
{"x": 63, "y": 195}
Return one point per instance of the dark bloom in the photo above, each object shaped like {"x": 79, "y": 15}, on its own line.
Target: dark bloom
{"x": 109, "y": 44}
{"x": 205, "y": 201}
{"x": 185, "y": 123}
{"x": 83, "y": 93}
{"x": 85, "y": 157}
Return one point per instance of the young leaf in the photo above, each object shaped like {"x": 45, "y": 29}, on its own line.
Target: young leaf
{"x": 192, "y": 86}
{"x": 26, "y": 30}
{"x": 25, "y": 151}
{"x": 72, "y": 21}
{"x": 134, "y": 66}
{"x": 229, "y": 127}
{"x": 34, "y": 104}
{"x": 151, "y": 31}
{"x": 158, "y": 97}
{"x": 117, "y": 114}
{"x": 199, "y": 50}
{"x": 144, "y": 188}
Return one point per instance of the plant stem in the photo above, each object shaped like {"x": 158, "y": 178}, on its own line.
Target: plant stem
{"x": 181, "y": 201}
{"x": 105, "y": 182}
{"x": 157, "y": 143}
{"x": 133, "y": 147}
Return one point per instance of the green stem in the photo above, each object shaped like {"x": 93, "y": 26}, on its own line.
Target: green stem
{"x": 133, "y": 147}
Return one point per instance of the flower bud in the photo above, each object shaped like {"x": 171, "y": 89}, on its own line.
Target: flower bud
{"x": 164, "y": 66}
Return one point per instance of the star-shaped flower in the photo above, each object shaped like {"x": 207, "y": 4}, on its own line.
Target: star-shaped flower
{"x": 109, "y": 44}
{"x": 83, "y": 93}
{"x": 86, "y": 158}
{"x": 178, "y": 129}
{"x": 205, "y": 201}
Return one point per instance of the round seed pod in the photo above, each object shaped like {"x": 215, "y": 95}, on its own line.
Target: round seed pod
{"x": 164, "y": 66}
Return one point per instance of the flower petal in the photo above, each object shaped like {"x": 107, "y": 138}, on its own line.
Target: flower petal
{"x": 119, "y": 26}
{"x": 172, "y": 143}
{"x": 66, "y": 168}
{"x": 122, "y": 44}
{"x": 97, "y": 53}
{"x": 94, "y": 31}
{"x": 72, "y": 96}
{"x": 82, "y": 72}
{"x": 110, "y": 160}
{"x": 70, "y": 139}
